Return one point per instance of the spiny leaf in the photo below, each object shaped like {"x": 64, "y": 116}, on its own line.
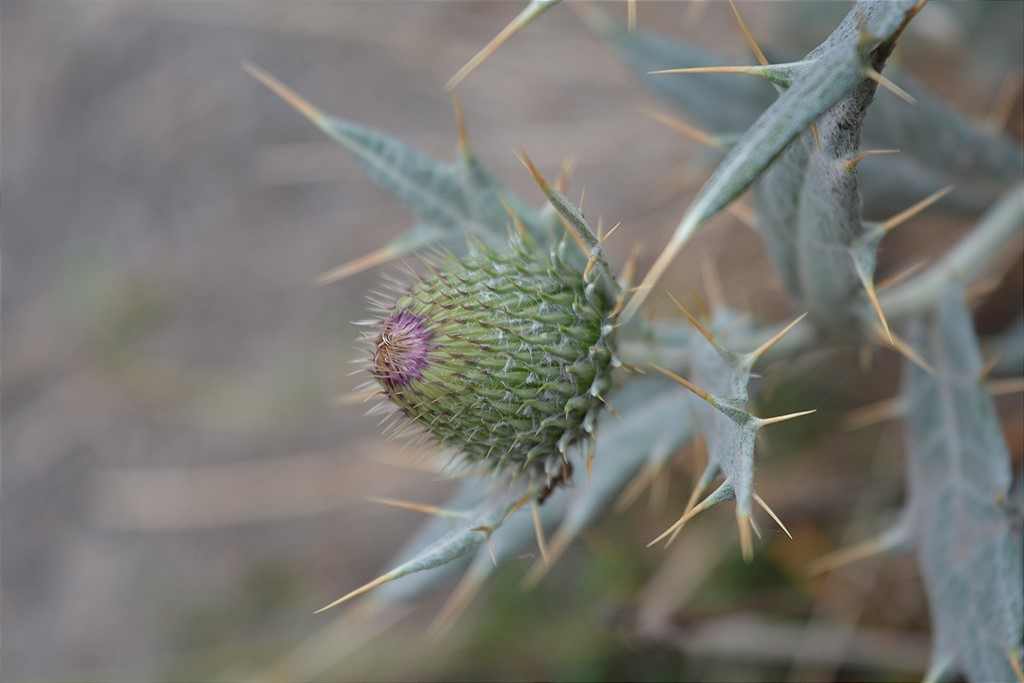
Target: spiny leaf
{"x": 864, "y": 39}
{"x": 449, "y": 547}
{"x": 513, "y": 539}
{"x": 427, "y": 187}
{"x": 456, "y": 199}
{"x": 655, "y": 422}
{"x": 968, "y": 535}
{"x": 648, "y": 407}
{"x": 730, "y": 430}
{"x": 977, "y": 159}
{"x": 470, "y": 494}
{"x": 809, "y": 215}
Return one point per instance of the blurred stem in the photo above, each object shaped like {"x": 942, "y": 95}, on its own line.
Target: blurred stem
{"x": 988, "y": 243}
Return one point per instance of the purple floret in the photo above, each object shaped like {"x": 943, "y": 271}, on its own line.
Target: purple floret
{"x": 401, "y": 349}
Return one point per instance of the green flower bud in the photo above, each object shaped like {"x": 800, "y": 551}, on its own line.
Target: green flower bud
{"x": 503, "y": 357}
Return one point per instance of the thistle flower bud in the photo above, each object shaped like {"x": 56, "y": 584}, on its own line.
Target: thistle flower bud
{"x": 503, "y": 357}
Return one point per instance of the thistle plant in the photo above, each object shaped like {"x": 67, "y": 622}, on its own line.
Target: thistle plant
{"x": 514, "y": 339}
{"x": 504, "y": 357}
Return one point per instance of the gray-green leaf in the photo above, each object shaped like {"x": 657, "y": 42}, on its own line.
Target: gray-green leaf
{"x": 968, "y": 536}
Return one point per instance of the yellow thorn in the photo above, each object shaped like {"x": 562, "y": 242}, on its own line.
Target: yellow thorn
{"x": 687, "y": 516}
{"x": 610, "y": 232}
{"x": 1002, "y": 387}
{"x": 575, "y": 236}
{"x": 709, "y": 70}
{"x": 629, "y": 269}
{"x": 901, "y": 276}
{"x": 744, "y": 213}
{"x": 545, "y": 187}
{"x": 694, "y": 12}
{"x": 889, "y": 85}
{"x": 460, "y": 599}
{"x": 869, "y": 289}
{"x": 538, "y": 529}
{"x": 817, "y": 140}
{"x": 852, "y": 163}
{"x": 746, "y": 34}
{"x": 643, "y": 290}
{"x": 700, "y": 392}
{"x": 486, "y": 51}
{"x": 516, "y": 223}
{"x": 619, "y": 303}
{"x": 285, "y": 93}
{"x": 771, "y": 513}
{"x": 426, "y": 264}
{"x": 782, "y": 418}
{"x": 712, "y": 284}
{"x": 1005, "y": 100}
{"x": 563, "y": 174}
{"x": 634, "y": 488}
{"x": 698, "y": 300}
{"x": 746, "y": 542}
{"x": 759, "y": 351}
{"x": 371, "y": 260}
{"x": 693, "y": 320}
{"x": 865, "y": 357}
{"x": 365, "y": 588}
{"x": 490, "y": 548}
{"x": 356, "y": 397}
{"x": 691, "y": 503}
{"x": 872, "y": 414}
{"x": 559, "y": 542}
{"x": 519, "y": 503}
{"x": 684, "y": 128}
{"x": 1015, "y": 664}
{"x": 907, "y": 214}
{"x": 908, "y": 352}
{"x": 734, "y": 325}
{"x": 631, "y": 15}
{"x": 982, "y": 288}
{"x": 417, "y": 507}
{"x": 525, "y": 160}
{"x": 915, "y": 9}
{"x": 659, "y": 492}
{"x": 583, "y": 193}
{"x": 755, "y": 527}
{"x": 845, "y": 556}
{"x": 987, "y": 369}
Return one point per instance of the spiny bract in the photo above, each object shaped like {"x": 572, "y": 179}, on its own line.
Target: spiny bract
{"x": 503, "y": 356}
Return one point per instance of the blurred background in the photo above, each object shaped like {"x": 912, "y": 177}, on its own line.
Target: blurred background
{"x": 181, "y": 489}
